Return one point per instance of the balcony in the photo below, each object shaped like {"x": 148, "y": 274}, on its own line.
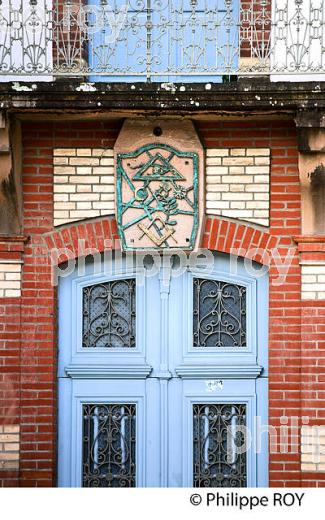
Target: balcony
{"x": 161, "y": 40}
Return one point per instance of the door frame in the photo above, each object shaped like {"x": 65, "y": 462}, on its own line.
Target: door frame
{"x": 110, "y": 378}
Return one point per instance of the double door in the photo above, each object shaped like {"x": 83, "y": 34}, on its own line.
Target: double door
{"x": 162, "y": 374}
{"x": 163, "y": 40}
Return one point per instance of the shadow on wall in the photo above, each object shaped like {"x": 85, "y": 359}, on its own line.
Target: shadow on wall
{"x": 317, "y": 188}
{"x": 9, "y": 220}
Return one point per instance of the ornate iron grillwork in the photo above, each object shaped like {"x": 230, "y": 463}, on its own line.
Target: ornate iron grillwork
{"x": 161, "y": 38}
{"x": 109, "y": 315}
{"x": 219, "y": 314}
{"x": 217, "y": 435}
{"x": 109, "y": 445}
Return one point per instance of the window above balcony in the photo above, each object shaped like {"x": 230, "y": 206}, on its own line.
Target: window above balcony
{"x": 161, "y": 40}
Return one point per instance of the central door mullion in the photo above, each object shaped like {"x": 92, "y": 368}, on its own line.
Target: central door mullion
{"x": 164, "y": 373}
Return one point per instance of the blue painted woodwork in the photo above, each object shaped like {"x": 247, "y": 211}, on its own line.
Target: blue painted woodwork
{"x": 165, "y": 41}
{"x": 164, "y": 375}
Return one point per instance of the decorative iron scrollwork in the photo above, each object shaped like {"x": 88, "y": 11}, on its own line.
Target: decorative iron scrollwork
{"x": 154, "y": 39}
{"x": 109, "y": 445}
{"x": 219, "y": 314}
{"x": 109, "y": 315}
{"x": 217, "y": 435}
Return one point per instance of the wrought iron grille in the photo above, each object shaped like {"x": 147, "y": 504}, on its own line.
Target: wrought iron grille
{"x": 109, "y": 445}
{"x": 218, "y": 433}
{"x": 160, "y": 39}
{"x": 109, "y": 315}
{"x": 219, "y": 314}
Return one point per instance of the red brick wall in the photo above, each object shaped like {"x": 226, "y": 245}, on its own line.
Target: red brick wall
{"x": 10, "y": 249}
{"x": 38, "y": 350}
{"x": 254, "y": 28}
{"x": 312, "y": 351}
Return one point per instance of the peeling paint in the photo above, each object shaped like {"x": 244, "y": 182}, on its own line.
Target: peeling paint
{"x": 26, "y": 104}
{"x": 86, "y": 87}
{"x": 169, "y": 87}
{"x": 23, "y": 88}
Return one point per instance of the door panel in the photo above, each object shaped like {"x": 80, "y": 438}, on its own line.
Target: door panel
{"x": 77, "y": 450}
{"x": 154, "y": 368}
{"x": 76, "y": 327}
{"x": 203, "y": 38}
{"x": 118, "y": 52}
{"x": 224, "y": 411}
{"x": 219, "y": 318}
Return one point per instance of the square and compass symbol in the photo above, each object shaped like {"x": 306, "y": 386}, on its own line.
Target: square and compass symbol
{"x": 157, "y": 198}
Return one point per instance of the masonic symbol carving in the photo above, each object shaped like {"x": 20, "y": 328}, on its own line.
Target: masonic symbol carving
{"x": 157, "y": 198}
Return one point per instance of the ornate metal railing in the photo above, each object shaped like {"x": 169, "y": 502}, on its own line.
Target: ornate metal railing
{"x": 160, "y": 40}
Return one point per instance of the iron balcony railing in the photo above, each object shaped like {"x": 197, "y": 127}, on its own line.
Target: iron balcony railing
{"x": 160, "y": 40}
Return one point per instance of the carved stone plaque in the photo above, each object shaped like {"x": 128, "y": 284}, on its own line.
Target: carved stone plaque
{"x": 159, "y": 190}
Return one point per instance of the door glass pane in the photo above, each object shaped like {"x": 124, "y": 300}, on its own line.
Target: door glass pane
{"x": 219, "y": 459}
{"x": 109, "y": 315}
{"x": 109, "y": 443}
{"x": 219, "y": 314}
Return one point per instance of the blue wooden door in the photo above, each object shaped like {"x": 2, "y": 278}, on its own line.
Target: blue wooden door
{"x": 159, "y": 372}
{"x": 117, "y": 46}
{"x": 202, "y": 41}
{"x": 166, "y": 41}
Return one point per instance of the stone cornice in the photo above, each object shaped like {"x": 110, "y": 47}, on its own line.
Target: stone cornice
{"x": 246, "y": 95}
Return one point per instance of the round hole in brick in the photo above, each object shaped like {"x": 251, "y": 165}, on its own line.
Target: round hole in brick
{"x": 157, "y": 131}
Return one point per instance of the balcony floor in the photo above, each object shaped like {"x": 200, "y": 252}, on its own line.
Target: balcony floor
{"x": 247, "y": 95}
